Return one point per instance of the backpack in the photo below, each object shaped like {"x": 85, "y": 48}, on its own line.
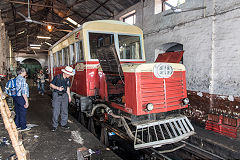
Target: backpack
{"x": 11, "y": 88}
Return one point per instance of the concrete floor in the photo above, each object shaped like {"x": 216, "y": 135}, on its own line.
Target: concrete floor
{"x": 46, "y": 145}
{"x": 223, "y": 146}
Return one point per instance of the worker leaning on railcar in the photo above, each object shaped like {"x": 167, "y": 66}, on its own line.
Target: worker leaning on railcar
{"x": 61, "y": 97}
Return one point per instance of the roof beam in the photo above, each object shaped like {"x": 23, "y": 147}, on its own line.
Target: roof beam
{"x": 105, "y": 7}
{"x": 34, "y": 4}
{"x": 14, "y": 18}
{"x": 71, "y": 9}
{"x": 94, "y": 11}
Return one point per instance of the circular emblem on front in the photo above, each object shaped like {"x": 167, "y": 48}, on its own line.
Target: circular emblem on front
{"x": 162, "y": 70}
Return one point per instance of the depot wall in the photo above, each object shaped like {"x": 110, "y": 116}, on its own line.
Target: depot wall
{"x": 41, "y": 58}
{"x": 210, "y": 39}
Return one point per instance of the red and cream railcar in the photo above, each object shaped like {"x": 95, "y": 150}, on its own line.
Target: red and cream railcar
{"x": 111, "y": 75}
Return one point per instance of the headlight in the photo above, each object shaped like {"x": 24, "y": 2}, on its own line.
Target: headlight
{"x": 185, "y": 101}
{"x": 162, "y": 70}
{"x": 149, "y": 106}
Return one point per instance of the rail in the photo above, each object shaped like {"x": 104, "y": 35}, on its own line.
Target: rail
{"x": 123, "y": 135}
{"x": 200, "y": 152}
{"x": 8, "y": 119}
{"x": 188, "y": 147}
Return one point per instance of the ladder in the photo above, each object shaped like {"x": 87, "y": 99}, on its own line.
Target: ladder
{"x": 158, "y": 133}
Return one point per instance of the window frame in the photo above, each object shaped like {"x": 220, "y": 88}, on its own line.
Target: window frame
{"x": 63, "y": 56}
{"x": 116, "y": 43}
{"x": 88, "y": 42}
{"x": 55, "y": 61}
{"x": 59, "y": 52}
{"x": 74, "y": 54}
{"x": 141, "y": 42}
{"x": 81, "y": 42}
{"x": 164, "y": 7}
{"x": 131, "y": 15}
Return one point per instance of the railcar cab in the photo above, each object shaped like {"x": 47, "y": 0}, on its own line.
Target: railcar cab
{"x": 112, "y": 50}
{"x": 111, "y": 44}
{"x": 98, "y": 50}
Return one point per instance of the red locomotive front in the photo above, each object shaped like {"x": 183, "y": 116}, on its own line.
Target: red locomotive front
{"x": 148, "y": 88}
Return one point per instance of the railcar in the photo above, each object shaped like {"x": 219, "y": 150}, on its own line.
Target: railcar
{"x": 113, "y": 80}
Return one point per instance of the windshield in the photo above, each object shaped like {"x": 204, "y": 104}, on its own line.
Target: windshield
{"x": 129, "y": 47}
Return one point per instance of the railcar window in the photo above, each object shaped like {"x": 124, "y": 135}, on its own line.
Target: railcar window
{"x": 129, "y": 47}
{"x": 54, "y": 60}
{"x": 66, "y": 56}
{"x": 59, "y": 54}
{"x": 72, "y": 54}
{"x": 79, "y": 51}
{"x": 97, "y": 40}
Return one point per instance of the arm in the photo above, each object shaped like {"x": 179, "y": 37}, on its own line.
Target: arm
{"x": 56, "y": 87}
{"x": 69, "y": 94}
{"x": 25, "y": 92}
{"x": 53, "y": 84}
{"x": 26, "y": 100}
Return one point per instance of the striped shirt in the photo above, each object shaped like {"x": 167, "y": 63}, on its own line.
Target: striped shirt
{"x": 22, "y": 86}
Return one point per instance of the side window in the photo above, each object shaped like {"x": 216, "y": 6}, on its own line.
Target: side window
{"x": 129, "y": 18}
{"x": 79, "y": 51}
{"x": 54, "y": 60}
{"x": 168, "y": 3}
{"x": 72, "y": 54}
{"x": 98, "y": 40}
{"x": 63, "y": 57}
{"x": 66, "y": 56}
{"x": 59, "y": 53}
{"x": 130, "y": 47}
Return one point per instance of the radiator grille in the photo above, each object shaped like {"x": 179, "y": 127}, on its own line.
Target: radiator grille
{"x": 162, "y": 92}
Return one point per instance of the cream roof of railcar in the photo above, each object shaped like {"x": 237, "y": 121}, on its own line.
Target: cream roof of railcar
{"x": 105, "y": 26}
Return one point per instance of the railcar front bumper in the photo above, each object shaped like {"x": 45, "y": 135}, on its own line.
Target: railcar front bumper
{"x": 158, "y": 133}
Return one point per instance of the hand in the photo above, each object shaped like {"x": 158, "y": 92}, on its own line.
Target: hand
{"x": 26, "y": 105}
{"x": 60, "y": 88}
{"x": 69, "y": 99}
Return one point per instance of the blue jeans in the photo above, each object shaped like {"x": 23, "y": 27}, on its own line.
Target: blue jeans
{"x": 21, "y": 112}
{"x": 41, "y": 87}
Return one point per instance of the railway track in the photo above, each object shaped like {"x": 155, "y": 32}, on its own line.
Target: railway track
{"x": 188, "y": 148}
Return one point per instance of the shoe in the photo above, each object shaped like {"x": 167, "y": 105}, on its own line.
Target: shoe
{"x": 42, "y": 94}
{"x": 54, "y": 129}
{"x": 18, "y": 128}
{"x": 65, "y": 127}
{"x": 26, "y": 129}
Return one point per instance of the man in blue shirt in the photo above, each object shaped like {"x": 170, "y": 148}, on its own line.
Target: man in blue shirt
{"x": 21, "y": 100}
{"x": 61, "y": 97}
